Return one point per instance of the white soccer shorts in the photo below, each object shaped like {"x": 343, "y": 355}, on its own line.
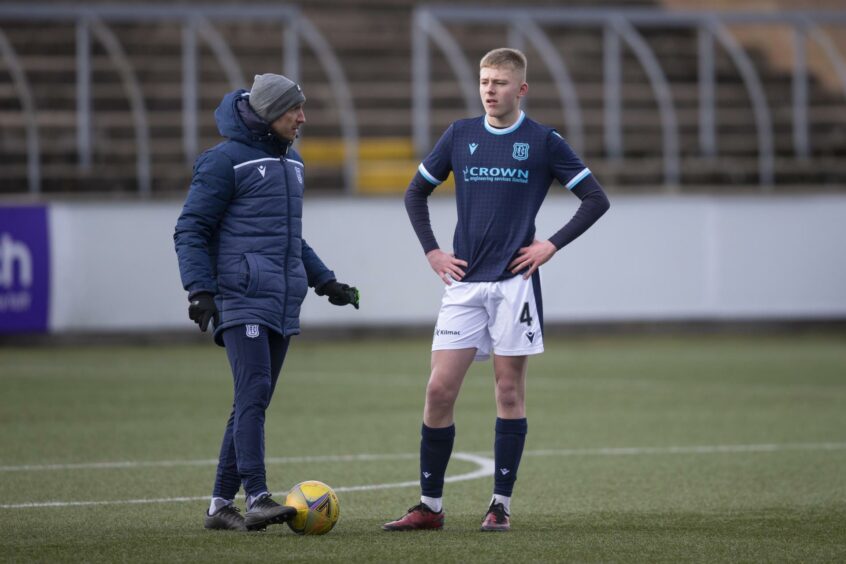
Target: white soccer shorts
{"x": 501, "y": 316}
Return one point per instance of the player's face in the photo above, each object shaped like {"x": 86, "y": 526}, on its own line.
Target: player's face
{"x": 501, "y": 89}
{"x": 288, "y": 124}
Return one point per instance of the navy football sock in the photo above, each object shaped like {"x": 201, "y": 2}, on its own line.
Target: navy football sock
{"x": 435, "y": 450}
{"x": 508, "y": 449}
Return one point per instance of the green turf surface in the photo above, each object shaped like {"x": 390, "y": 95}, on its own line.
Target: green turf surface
{"x": 613, "y": 469}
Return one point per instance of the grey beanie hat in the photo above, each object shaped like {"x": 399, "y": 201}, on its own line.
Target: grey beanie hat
{"x": 273, "y": 94}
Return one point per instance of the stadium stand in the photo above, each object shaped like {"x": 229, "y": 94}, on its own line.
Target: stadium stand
{"x": 372, "y": 40}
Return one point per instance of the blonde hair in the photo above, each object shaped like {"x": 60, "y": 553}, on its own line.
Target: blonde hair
{"x": 505, "y": 57}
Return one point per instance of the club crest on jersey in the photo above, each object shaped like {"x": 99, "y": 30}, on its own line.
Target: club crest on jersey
{"x": 252, "y": 331}
{"x": 473, "y": 147}
{"x": 521, "y": 151}
{"x": 299, "y": 174}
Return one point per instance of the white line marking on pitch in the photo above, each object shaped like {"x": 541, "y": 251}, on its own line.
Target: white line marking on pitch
{"x": 608, "y": 451}
{"x": 206, "y": 462}
{"x": 485, "y": 466}
{"x": 707, "y": 449}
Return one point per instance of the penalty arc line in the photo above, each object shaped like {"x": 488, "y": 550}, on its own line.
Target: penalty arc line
{"x": 485, "y": 466}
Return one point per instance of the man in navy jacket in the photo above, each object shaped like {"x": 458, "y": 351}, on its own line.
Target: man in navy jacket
{"x": 245, "y": 266}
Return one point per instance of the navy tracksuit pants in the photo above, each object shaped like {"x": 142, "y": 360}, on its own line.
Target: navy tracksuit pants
{"x": 256, "y": 355}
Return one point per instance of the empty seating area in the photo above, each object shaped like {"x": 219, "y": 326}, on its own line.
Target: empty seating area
{"x": 373, "y": 43}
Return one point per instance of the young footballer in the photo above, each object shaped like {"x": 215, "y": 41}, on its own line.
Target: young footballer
{"x": 503, "y": 163}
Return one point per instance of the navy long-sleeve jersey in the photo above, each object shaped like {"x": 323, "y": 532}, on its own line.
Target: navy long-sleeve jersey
{"x": 501, "y": 177}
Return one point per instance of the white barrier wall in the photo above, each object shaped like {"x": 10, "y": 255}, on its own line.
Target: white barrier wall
{"x": 650, "y": 258}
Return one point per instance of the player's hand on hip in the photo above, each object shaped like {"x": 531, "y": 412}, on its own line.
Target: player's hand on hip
{"x": 532, "y": 257}
{"x": 446, "y": 266}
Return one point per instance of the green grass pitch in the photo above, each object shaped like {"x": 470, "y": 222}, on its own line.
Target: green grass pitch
{"x": 641, "y": 449}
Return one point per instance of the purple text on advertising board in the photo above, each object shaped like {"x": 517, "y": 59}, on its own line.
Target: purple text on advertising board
{"x": 24, "y": 269}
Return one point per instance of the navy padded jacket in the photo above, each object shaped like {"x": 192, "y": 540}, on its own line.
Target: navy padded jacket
{"x": 239, "y": 235}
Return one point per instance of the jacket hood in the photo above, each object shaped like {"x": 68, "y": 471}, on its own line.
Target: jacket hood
{"x": 236, "y": 120}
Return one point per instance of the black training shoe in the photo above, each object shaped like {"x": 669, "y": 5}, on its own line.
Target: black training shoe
{"x": 265, "y": 511}
{"x": 226, "y": 518}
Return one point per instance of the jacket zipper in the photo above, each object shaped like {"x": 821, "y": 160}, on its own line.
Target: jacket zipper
{"x": 288, "y": 246}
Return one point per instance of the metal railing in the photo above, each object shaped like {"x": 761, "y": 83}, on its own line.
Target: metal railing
{"x": 624, "y": 26}
{"x": 197, "y": 23}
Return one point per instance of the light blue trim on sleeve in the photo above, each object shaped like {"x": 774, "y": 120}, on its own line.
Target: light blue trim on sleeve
{"x": 578, "y": 178}
{"x": 428, "y": 176}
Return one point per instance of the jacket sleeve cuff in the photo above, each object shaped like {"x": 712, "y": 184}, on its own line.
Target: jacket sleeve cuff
{"x": 196, "y": 291}
{"x": 327, "y": 276}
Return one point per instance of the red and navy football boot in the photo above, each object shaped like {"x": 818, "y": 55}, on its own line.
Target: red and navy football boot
{"x": 418, "y": 518}
{"x": 496, "y": 519}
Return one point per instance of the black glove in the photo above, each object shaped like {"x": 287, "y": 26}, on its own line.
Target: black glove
{"x": 202, "y": 310}
{"x": 339, "y": 294}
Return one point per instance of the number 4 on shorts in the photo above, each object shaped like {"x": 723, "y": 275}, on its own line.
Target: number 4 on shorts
{"x": 525, "y": 315}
